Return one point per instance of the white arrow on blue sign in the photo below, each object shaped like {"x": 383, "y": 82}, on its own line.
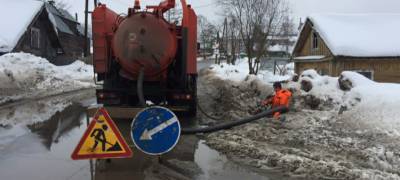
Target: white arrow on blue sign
{"x": 155, "y": 130}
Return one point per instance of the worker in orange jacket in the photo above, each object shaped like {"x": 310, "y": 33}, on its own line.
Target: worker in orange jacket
{"x": 281, "y": 98}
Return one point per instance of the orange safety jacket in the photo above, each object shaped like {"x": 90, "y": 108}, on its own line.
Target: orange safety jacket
{"x": 281, "y": 98}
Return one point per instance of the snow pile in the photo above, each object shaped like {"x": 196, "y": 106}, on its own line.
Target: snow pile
{"x": 324, "y": 88}
{"x": 16, "y": 17}
{"x": 310, "y": 144}
{"x": 24, "y": 75}
{"x": 367, "y": 102}
{"x": 378, "y": 105}
{"x": 240, "y": 72}
{"x": 357, "y": 34}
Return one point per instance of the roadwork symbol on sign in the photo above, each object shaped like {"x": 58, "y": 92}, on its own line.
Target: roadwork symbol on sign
{"x": 155, "y": 130}
{"x": 102, "y": 139}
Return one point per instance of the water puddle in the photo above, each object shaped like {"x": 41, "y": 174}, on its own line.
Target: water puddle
{"x": 217, "y": 167}
{"x": 42, "y": 150}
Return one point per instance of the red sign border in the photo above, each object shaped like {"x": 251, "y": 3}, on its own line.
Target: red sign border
{"x": 103, "y": 111}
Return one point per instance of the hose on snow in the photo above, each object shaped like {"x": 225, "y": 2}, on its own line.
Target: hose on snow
{"x": 232, "y": 124}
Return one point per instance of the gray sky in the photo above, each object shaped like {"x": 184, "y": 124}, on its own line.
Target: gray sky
{"x": 203, "y": 7}
{"x": 300, "y": 8}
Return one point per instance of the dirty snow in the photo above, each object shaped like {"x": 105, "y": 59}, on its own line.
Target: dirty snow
{"x": 24, "y": 75}
{"x": 361, "y": 143}
{"x": 15, "y": 16}
{"x": 358, "y": 34}
{"x": 367, "y": 102}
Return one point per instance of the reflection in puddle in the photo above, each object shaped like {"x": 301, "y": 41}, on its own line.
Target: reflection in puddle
{"x": 59, "y": 124}
{"x": 218, "y": 167}
{"x": 42, "y": 150}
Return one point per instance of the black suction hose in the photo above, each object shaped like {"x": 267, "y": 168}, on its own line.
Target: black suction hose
{"x": 229, "y": 125}
{"x": 139, "y": 86}
{"x": 211, "y": 129}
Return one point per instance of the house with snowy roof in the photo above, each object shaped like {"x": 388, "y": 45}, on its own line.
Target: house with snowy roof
{"x": 364, "y": 43}
{"x": 38, "y": 27}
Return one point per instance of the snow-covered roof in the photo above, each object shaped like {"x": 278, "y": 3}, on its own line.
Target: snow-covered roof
{"x": 55, "y": 18}
{"x": 359, "y": 35}
{"x": 309, "y": 57}
{"x": 16, "y": 15}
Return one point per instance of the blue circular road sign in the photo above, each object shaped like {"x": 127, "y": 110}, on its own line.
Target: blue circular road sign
{"x": 155, "y": 130}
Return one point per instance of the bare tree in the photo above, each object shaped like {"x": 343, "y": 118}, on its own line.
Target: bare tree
{"x": 229, "y": 42}
{"x": 287, "y": 31}
{"x": 207, "y": 34}
{"x": 256, "y": 20}
{"x": 174, "y": 15}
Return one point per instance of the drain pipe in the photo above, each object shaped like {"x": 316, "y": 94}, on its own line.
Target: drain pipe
{"x": 229, "y": 125}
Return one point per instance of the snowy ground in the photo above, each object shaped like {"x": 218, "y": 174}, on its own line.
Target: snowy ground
{"x": 27, "y": 76}
{"x": 313, "y": 143}
{"x": 239, "y": 72}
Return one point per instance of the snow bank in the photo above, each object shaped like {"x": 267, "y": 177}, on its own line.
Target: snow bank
{"x": 24, "y": 75}
{"x": 16, "y": 17}
{"x": 323, "y": 87}
{"x": 240, "y": 72}
{"x": 310, "y": 144}
{"x": 368, "y": 103}
{"x": 378, "y": 105}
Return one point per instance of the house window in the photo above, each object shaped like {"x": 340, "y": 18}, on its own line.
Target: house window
{"x": 35, "y": 38}
{"x": 367, "y": 74}
{"x": 314, "y": 40}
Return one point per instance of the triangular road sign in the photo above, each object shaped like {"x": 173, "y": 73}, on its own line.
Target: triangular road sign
{"x": 101, "y": 140}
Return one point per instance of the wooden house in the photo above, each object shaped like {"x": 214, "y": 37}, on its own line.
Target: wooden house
{"x": 39, "y": 28}
{"x": 365, "y": 43}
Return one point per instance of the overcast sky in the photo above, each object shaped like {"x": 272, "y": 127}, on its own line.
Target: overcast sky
{"x": 300, "y": 8}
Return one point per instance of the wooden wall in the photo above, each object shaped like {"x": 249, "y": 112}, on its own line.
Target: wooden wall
{"x": 321, "y": 67}
{"x": 48, "y": 39}
{"x": 307, "y": 49}
{"x": 384, "y": 69}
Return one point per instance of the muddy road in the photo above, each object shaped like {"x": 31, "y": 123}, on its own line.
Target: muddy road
{"x": 38, "y": 136}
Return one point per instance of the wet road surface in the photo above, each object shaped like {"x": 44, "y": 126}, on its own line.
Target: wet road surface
{"x": 38, "y": 137}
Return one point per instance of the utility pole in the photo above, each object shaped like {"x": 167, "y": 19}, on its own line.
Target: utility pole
{"x": 85, "y": 44}
{"x": 225, "y": 40}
